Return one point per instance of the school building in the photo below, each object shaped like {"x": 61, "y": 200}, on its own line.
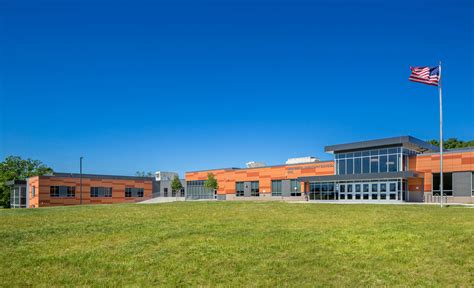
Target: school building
{"x": 397, "y": 169}
{"x": 402, "y": 169}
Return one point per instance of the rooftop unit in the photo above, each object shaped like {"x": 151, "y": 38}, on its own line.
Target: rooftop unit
{"x": 165, "y": 176}
{"x": 253, "y": 164}
{"x": 300, "y": 160}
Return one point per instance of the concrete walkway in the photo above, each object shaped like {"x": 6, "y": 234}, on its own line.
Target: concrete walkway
{"x": 377, "y": 203}
{"x": 158, "y": 200}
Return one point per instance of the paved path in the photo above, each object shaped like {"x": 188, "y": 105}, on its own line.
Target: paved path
{"x": 162, "y": 200}
{"x": 377, "y": 202}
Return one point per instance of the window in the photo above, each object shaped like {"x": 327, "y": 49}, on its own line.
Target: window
{"x": 33, "y": 191}
{"x": 349, "y": 166}
{"x": 101, "y": 192}
{"x": 365, "y": 165}
{"x": 239, "y": 189}
{"x": 374, "y": 164}
{"x": 295, "y": 187}
{"x": 62, "y": 191}
{"x": 254, "y": 189}
{"x": 383, "y": 163}
{"x": 181, "y": 192}
{"x": 392, "y": 163}
{"x": 447, "y": 184}
{"x": 342, "y": 166}
{"x": 357, "y": 165}
{"x": 133, "y": 192}
{"x": 196, "y": 190}
{"x": 276, "y": 187}
{"x": 165, "y": 192}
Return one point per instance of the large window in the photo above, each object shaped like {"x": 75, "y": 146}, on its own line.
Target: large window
{"x": 196, "y": 190}
{"x": 133, "y": 192}
{"x": 254, "y": 189}
{"x": 62, "y": 191}
{"x": 239, "y": 189}
{"x": 295, "y": 187}
{"x": 447, "y": 184}
{"x": 373, "y": 161}
{"x": 276, "y": 187}
{"x": 322, "y": 191}
{"x": 101, "y": 191}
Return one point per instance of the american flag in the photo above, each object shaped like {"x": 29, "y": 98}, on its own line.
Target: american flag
{"x": 426, "y": 75}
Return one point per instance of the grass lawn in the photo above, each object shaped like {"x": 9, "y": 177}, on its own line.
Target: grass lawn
{"x": 237, "y": 244}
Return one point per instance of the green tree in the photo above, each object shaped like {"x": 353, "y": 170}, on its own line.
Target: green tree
{"x": 176, "y": 185}
{"x": 16, "y": 168}
{"x": 211, "y": 182}
{"x": 143, "y": 174}
{"x": 453, "y": 143}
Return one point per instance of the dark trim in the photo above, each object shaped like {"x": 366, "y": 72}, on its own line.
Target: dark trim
{"x": 401, "y": 141}
{"x": 15, "y": 182}
{"x": 357, "y": 177}
{"x": 96, "y": 176}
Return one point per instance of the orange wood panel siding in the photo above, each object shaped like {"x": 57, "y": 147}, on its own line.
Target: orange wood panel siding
{"x": 429, "y": 164}
{"x": 43, "y": 184}
{"x": 33, "y": 201}
{"x": 226, "y": 178}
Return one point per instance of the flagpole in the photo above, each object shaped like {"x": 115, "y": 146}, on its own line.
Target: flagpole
{"x": 440, "y": 136}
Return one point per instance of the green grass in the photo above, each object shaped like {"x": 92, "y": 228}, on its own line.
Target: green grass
{"x": 237, "y": 244}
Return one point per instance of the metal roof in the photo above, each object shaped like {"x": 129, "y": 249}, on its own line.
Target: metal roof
{"x": 404, "y": 141}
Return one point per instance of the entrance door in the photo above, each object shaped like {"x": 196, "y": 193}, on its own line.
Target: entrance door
{"x": 358, "y": 191}
{"x": 350, "y": 190}
{"x": 374, "y": 191}
{"x": 388, "y": 191}
{"x": 342, "y": 192}
{"x": 365, "y": 191}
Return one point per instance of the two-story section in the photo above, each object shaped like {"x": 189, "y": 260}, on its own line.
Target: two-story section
{"x": 372, "y": 171}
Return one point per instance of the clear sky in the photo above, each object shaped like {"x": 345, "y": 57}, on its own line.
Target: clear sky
{"x": 191, "y": 85}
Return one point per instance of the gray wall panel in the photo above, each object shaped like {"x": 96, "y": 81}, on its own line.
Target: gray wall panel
{"x": 247, "y": 189}
{"x": 285, "y": 188}
{"x": 462, "y": 183}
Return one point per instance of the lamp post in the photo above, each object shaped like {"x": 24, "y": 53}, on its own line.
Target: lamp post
{"x": 80, "y": 179}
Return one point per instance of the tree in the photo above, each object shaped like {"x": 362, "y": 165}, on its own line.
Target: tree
{"x": 453, "y": 143}
{"x": 211, "y": 182}
{"x": 176, "y": 185}
{"x": 143, "y": 174}
{"x": 16, "y": 168}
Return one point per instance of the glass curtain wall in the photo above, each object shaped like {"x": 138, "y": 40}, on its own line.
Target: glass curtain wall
{"x": 197, "y": 190}
{"x": 373, "y": 161}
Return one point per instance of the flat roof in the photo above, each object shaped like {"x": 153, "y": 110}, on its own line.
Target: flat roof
{"x": 268, "y": 166}
{"x": 404, "y": 141}
{"x": 96, "y": 176}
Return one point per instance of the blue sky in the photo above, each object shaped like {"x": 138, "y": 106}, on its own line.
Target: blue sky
{"x": 191, "y": 85}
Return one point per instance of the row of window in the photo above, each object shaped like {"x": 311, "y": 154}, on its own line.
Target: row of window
{"x": 276, "y": 188}
{"x": 371, "y": 164}
{"x": 70, "y": 192}
{"x": 254, "y": 189}
{"x": 385, "y": 151}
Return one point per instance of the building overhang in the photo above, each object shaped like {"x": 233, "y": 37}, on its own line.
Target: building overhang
{"x": 360, "y": 177}
{"x": 408, "y": 142}
{"x": 15, "y": 182}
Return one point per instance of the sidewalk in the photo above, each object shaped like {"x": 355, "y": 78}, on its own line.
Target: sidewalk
{"x": 377, "y": 203}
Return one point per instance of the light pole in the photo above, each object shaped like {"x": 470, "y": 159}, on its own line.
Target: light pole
{"x": 80, "y": 179}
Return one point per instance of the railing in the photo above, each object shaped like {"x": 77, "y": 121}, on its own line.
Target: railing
{"x": 430, "y": 198}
